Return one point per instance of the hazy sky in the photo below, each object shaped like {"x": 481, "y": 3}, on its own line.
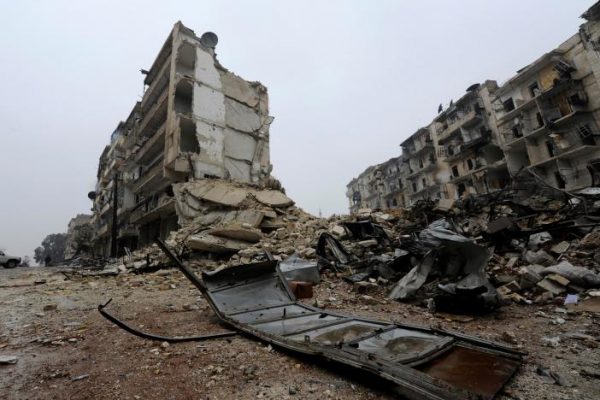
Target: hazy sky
{"x": 347, "y": 80}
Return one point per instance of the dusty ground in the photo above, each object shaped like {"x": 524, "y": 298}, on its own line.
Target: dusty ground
{"x": 67, "y": 350}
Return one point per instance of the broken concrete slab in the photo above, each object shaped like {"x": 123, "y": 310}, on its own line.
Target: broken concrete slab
{"x": 273, "y": 198}
{"x": 217, "y": 191}
{"x": 368, "y": 243}
{"x": 238, "y": 232}
{"x": 215, "y": 244}
{"x": 529, "y": 276}
{"x": 338, "y": 231}
{"x": 561, "y": 280}
{"x": 578, "y": 275}
{"x": 4, "y": 360}
{"x": 560, "y": 248}
{"x": 551, "y": 286}
{"x": 538, "y": 239}
{"x": 539, "y": 257}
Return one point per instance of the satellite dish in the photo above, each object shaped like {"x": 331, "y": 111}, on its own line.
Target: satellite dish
{"x": 209, "y": 39}
{"x": 473, "y": 87}
{"x": 92, "y": 195}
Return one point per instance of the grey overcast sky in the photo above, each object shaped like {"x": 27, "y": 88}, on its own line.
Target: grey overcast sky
{"x": 348, "y": 81}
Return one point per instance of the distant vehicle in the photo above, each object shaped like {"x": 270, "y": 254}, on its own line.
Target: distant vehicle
{"x": 9, "y": 261}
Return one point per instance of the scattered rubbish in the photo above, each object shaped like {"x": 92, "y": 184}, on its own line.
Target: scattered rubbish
{"x": 80, "y": 377}
{"x": 550, "y": 376}
{"x": 571, "y": 299}
{"x": 578, "y": 275}
{"x": 459, "y": 266}
{"x": 551, "y": 341}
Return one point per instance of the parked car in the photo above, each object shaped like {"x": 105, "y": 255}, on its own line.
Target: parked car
{"x": 9, "y": 261}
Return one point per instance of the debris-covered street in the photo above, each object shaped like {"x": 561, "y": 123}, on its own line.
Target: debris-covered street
{"x": 67, "y": 350}
{"x": 201, "y": 265}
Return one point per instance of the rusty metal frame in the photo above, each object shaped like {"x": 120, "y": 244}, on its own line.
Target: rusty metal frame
{"x": 223, "y": 288}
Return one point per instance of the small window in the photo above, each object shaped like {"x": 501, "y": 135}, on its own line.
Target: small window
{"x": 534, "y": 89}
{"x": 508, "y": 104}
{"x": 550, "y": 147}
{"x": 560, "y": 182}
{"x": 470, "y": 164}
{"x": 516, "y": 131}
{"x": 455, "y": 171}
{"x": 584, "y": 130}
{"x": 540, "y": 119}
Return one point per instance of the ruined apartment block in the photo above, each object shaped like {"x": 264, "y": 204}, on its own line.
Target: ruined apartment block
{"x": 469, "y": 145}
{"x": 425, "y": 174}
{"x": 545, "y": 119}
{"x": 548, "y": 114}
{"x": 195, "y": 120}
{"x": 379, "y": 186}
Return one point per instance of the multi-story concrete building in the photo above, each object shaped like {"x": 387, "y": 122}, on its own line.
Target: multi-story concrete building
{"x": 425, "y": 173}
{"x": 195, "y": 120}
{"x": 549, "y": 113}
{"x": 393, "y": 184}
{"x": 469, "y": 144}
{"x": 379, "y": 186}
{"x": 544, "y": 119}
{"x": 362, "y": 191}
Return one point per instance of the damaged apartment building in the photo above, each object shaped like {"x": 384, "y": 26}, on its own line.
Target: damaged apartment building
{"x": 196, "y": 120}
{"x": 545, "y": 120}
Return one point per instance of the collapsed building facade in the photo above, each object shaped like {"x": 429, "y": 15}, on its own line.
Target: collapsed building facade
{"x": 196, "y": 119}
{"x": 544, "y": 119}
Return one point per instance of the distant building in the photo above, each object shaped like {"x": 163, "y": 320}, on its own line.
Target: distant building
{"x": 71, "y": 241}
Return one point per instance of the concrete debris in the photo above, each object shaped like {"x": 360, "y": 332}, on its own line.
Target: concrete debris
{"x": 578, "y": 275}
{"x": 475, "y": 256}
{"x": 5, "y": 360}
{"x": 273, "y": 198}
{"x": 215, "y": 244}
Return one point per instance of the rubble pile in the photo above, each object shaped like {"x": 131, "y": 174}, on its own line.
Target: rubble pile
{"x": 526, "y": 244}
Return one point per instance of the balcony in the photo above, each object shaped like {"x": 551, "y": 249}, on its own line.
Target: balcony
{"x": 141, "y": 215}
{"x": 425, "y": 168}
{"x": 467, "y": 120}
{"x": 105, "y": 208}
{"x": 157, "y": 87}
{"x": 128, "y": 230}
{"x": 150, "y": 177}
{"x": 435, "y": 185}
{"x": 152, "y": 146}
{"x": 427, "y": 146}
{"x": 155, "y": 117}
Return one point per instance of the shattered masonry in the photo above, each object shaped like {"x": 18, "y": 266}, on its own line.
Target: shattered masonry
{"x": 544, "y": 119}
{"x": 195, "y": 120}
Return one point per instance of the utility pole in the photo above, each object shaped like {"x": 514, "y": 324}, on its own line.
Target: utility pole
{"x": 114, "y": 225}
